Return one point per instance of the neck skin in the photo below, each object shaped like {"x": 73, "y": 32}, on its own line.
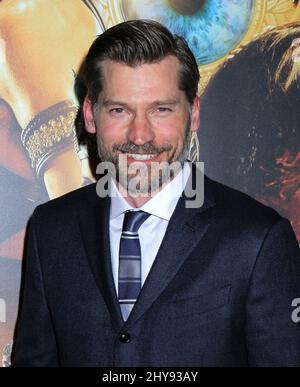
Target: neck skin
{"x": 137, "y": 201}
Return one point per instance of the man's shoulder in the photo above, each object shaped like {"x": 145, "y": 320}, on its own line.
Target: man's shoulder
{"x": 241, "y": 207}
{"x": 69, "y": 203}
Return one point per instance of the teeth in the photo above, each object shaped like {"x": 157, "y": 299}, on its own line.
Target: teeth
{"x": 140, "y": 157}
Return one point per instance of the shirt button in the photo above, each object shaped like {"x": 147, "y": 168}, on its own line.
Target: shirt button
{"x": 125, "y": 337}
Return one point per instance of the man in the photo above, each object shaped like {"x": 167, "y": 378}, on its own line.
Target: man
{"x": 139, "y": 277}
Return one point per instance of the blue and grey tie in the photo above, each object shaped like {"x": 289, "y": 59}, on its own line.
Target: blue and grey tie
{"x": 129, "y": 284}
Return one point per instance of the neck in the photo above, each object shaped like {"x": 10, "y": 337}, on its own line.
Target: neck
{"x": 137, "y": 201}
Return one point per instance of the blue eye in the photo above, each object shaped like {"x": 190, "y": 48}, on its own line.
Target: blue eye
{"x": 117, "y": 110}
{"x": 162, "y": 109}
{"x": 212, "y": 28}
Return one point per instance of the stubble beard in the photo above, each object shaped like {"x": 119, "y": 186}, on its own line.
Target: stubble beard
{"x": 151, "y": 177}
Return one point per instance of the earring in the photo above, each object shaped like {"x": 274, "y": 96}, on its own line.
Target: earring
{"x": 194, "y": 150}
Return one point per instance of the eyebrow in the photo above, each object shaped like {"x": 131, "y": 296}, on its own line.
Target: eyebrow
{"x": 166, "y": 102}
{"x": 110, "y": 102}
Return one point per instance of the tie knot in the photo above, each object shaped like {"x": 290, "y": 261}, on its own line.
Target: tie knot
{"x": 133, "y": 220}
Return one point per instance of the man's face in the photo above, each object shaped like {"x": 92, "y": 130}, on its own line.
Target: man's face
{"x": 142, "y": 115}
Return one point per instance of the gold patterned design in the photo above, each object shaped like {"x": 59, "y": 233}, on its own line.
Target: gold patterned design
{"x": 110, "y": 11}
{"x": 279, "y": 12}
{"x": 49, "y": 132}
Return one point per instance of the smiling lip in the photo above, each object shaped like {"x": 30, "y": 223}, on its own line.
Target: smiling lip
{"x": 141, "y": 157}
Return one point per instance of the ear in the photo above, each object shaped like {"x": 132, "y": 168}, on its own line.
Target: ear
{"x": 195, "y": 119}
{"x": 88, "y": 116}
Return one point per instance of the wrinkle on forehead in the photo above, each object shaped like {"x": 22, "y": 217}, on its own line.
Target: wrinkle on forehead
{"x": 149, "y": 82}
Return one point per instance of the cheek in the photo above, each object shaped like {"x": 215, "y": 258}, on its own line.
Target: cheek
{"x": 110, "y": 133}
{"x": 170, "y": 131}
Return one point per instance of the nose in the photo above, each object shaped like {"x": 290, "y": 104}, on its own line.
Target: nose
{"x": 140, "y": 130}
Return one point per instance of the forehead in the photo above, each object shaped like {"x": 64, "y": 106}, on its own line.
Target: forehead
{"x": 148, "y": 78}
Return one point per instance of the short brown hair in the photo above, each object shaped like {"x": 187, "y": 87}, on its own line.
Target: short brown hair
{"x": 136, "y": 42}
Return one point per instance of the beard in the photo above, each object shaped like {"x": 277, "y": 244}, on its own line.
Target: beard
{"x": 139, "y": 179}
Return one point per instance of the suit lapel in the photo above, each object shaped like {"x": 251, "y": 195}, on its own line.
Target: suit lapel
{"x": 186, "y": 228}
{"x": 94, "y": 224}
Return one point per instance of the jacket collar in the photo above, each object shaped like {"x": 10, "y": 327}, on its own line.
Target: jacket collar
{"x": 186, "y": 228}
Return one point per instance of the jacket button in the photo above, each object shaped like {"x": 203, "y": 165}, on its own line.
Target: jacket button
{"x": 125, "y": 337}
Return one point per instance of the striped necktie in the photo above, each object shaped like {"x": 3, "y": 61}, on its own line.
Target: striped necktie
{"x": 129, "y": 284}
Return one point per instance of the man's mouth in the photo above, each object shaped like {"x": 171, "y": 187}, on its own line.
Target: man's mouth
{"x": 140, "y": 156}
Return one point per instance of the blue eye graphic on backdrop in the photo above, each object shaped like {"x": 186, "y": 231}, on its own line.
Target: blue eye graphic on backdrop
{"x": 211, "y": 27}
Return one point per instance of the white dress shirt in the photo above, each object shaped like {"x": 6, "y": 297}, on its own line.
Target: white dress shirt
{"x": 152, "y": 231}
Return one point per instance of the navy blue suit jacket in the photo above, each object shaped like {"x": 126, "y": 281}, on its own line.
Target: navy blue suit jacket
{"x": 219, "y": 292}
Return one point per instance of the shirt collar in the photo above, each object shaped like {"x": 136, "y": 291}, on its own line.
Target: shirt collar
{"x": 161, "y": 205}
